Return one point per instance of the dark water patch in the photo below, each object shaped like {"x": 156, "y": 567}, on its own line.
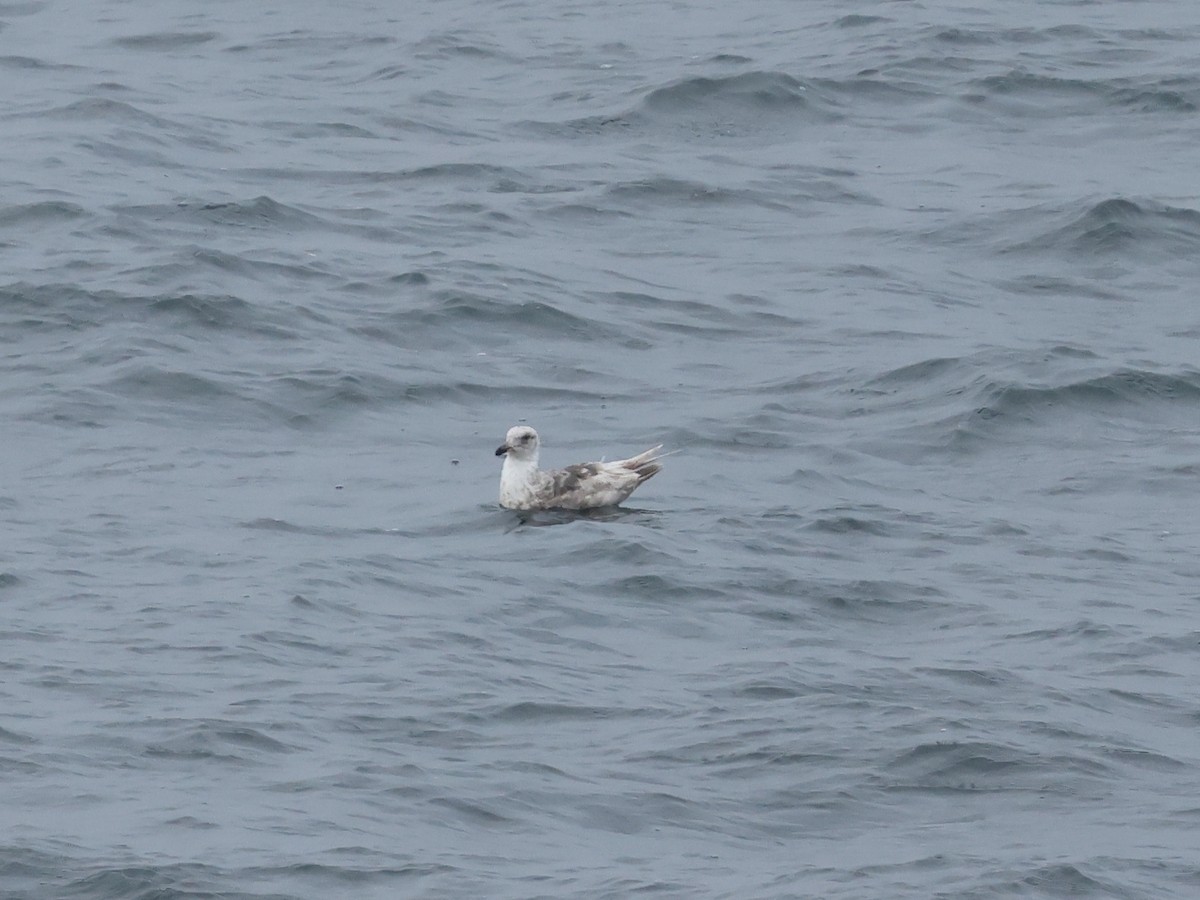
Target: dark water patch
{"x": 217, "y": 739}
{"x": 879, "y": 601}
{"x": 386, "y": 73}
{"x": 69, "y": 307}
{"x": 1136, "y": 394}
{"x": 858, "y": 21}
{"x": 1157, "y": 99}
{"x": 152, "y": 382}
{"x": 1119, "y": 226}
{"x": 75, "y": 408}
{"x": 869, "y": 87}
{"x": 1037, "y": 95}
{"x": 315, "y": 397}
{"x": 762, "y": 588}
{"x": 770, "y": 689}
{"x": 966, "y": 36}
{"x": 630, "y": 813}
{"x": 29, "y": 63}
{"x": 331, "y": 130}
{"x": 35, "y": 215}
{"x": 1056, "y": 32}
{"x": 1146, "y": 759}
{"x": 1156, "y": 34}
{"x": 1058, "y": 287}
{"x": 1086, "y": 632}
{"x": 460, "y": 45}
{"x": 153, "y": 393}
{"x": 22, "y": 9}
{"x": 775, "y": 91}
{"x": 259, "y": 212}
{"x": 476, "y": 813}
{"x": 769, "y": 106}
{"x": 586, "y": 127}
{"x": 1050, "y": 92}
{"x": 921, "y": 373}
{"x": 308, "y": 45}
{"x": 698, "y": 318}
{"x": 462, "y": 315}
{"x": 929, "y": 387}
{"x": 586, "y": 213}
{"x": 142, "y": 882}
{"x": 627, "y": 550}
{"x": 13, "y": 737}
{"x": 851, "y": 525}
{"x": 410, "y": 279}
{"x": 1070, "y": 351}
{"x": 676, "y": 192}
{"x": 219, "y": 313}
{"x": 165, "y": 40}
{"x": 297, "y": 642}
{"x": 988, "y": 679}
{"x": 529, "y": 712}
{"x": 861, "y": 270}
{"x": 480, "y": 175}
{"x": 101, "y": 109}
{"x": 262, "y": 270}
{"x": 1144, "y": 699}
{"x": 192, "y": 822}
{"x": 283, "y": 527}
{"x": 925, "y": 68}
{"x": 730, "y": 59}
{"x": 766, "y": 433}
{"x": 469, "y": 394}
{"x": 970, "y": 766}
{"x": 549, "y": 517}
{"x": 332, "y": 880}
{"x": 661, "y": 588}
{"x": 313, "y": 390}
{"x": 129, "y": 151}
{"x": 1057, "y": 880}
{"x": 1020, "y": 36}
{"x": 181, "y": 220}
{"x": 1110, "y": 232}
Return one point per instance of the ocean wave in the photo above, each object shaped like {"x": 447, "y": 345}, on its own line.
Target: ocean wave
{"x": 214, "y": 739}
{"x": 1036, "y": 94}
{"x": 37, "y": 215}
{"x": 165, "y": 40}
{"x": 1132, "y": 392}
{"x": 969, "y": 766}
{"x": 765, "y": 104}
{"x": 776, "y": 91}
{"x": 1114, "y": 229}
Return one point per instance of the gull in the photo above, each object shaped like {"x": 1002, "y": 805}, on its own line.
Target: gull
{"x": 584, "y": 486}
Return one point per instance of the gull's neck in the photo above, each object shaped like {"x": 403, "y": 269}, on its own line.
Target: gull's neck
{"x": 519, "y": 468}
{"x": 518, "y": 480}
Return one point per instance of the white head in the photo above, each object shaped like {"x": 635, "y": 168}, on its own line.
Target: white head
{"x": 521, "y": 443}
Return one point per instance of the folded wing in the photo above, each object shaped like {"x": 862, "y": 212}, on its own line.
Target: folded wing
{"x": 591, "y": 485}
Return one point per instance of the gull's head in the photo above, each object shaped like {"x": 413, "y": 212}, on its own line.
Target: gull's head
{"x": 521, "y": 442}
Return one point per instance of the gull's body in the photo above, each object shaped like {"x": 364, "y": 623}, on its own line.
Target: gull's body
{"x": 584, "y": 486}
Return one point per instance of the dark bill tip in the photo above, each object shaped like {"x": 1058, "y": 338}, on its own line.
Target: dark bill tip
{"x": 502, "y": 449}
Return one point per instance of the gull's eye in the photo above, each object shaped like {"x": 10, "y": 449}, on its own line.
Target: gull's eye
{"x": 525, "y": 439}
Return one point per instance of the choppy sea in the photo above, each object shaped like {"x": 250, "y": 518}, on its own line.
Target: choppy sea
{"x": 911, "y": 287}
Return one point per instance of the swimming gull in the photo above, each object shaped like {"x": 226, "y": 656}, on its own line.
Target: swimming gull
{"x": 584, "y": 486}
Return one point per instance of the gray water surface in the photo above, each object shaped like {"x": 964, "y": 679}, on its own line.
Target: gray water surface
{"x": 912, "y": 289}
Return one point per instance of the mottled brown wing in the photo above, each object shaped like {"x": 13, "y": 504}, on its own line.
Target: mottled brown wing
{"x": 570, "y": 479}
